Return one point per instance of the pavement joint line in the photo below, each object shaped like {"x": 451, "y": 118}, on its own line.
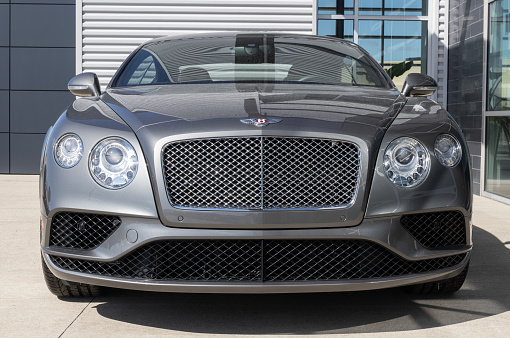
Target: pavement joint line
{"x": 79, "y": 314}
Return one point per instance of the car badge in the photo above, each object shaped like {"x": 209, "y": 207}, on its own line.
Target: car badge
{"x": 260, "y": 122}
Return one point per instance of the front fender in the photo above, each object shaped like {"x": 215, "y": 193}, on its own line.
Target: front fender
{"x": 74, "y": 189}
{"x": 444, "y": 187}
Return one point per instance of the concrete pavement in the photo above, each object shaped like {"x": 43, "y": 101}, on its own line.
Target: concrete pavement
{"x": 480, "y": 309}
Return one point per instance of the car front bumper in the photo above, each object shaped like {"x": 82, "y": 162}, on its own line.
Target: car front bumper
{"x": 134, "y": 233}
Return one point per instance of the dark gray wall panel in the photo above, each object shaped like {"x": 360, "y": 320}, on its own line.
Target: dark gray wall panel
{"x": 25, "y": 153}
{"x": 42, "y": 26}
{"x": 4, "y": 111}
{"x": 35, "y": 112}
{"x": 4, "y": 68}
{"x": 4, "y": 25}
{"x": 41, "y": 68}
{"x": 4, "y": 153}
{"x": 37, "y": 60}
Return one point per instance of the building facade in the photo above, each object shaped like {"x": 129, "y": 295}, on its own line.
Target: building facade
{"x": 461, "y": 43}
{"x": 37, "y": 58}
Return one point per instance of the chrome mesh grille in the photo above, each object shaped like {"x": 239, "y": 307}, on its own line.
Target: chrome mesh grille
{"x": 214, "y": 173}
{"x": 436, "y": 229}
{"x": 259, "y": 260}
{"x": 261, "y": 173}
{"x": 81, "y": 231}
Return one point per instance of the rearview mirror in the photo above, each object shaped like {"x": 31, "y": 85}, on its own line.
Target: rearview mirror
{"x": 85, "y": 85}
{"x": 419, "y": 85}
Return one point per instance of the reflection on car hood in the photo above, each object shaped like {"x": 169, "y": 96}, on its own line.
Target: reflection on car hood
{"x": 148, "y": 106}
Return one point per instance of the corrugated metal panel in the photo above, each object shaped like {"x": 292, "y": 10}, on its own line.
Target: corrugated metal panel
{"x": 438, "y": 47}
{"x": 111, "y": 29}
{"x": 442, "y": 51}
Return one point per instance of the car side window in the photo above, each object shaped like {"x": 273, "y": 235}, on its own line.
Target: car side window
{"x": 143, "y": 69}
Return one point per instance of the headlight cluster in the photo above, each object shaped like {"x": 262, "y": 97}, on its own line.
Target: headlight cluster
{"x": 447, "y": 150}
{"x": 407, "y": 160}
{"x": 68, "y": 150}
{"x": 113, "y": 162}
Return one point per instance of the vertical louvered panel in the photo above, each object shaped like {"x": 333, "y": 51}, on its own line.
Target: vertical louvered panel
{"x": 111, "y": 29}
{"x": 442, "y": 64}
{"x": 438, "y": 47}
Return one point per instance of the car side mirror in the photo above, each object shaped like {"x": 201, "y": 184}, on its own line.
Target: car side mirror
{"x": 85, "y": 85}
{"x": 417, "y": 84}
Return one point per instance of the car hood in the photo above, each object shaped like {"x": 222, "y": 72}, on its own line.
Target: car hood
{"x": 144, "y": 107}
{"x": 159, "y": 115}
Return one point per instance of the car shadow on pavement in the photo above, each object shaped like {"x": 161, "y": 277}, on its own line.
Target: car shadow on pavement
{"x": 484, "y": 294}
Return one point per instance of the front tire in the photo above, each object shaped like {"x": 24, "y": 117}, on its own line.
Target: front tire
{"x": 62, "y": 288}
{"x": 444, "y": 287}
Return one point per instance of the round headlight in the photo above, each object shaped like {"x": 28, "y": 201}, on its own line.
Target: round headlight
{"x": 113, "y": 163}
{"x": 406, "y": 162}
{"x": 447, "y": 150}
{"x": 68, "y": 150}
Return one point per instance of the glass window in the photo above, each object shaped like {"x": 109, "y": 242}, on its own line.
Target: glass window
{"x": 393, "y": 7}
{"x": 399, "y": 46}
{"x": 143, "y": 69}
{"x": 343, "y": 29}
{"x": 370, "y": 7}
{"x": 344, "y": 7}
{"x": 258, "y": 58}
{"x": 497, "y": 136}
{"x": 497, "y": 166}
{"x": 498, "y": 73}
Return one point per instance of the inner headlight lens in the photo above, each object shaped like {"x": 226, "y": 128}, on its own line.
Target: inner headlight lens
{"x": 406, "y": 162}
{"x": 447, "y": 150}
{"x": 68, "y": 150}
{"x": 113, "y": 163}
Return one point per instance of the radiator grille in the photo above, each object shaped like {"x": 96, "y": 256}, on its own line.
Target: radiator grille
{"x": 261, "y": 173}
{"x": 436, "y": 229}
{"x": 81, "y": 231}
{"x": 257, "y": 260}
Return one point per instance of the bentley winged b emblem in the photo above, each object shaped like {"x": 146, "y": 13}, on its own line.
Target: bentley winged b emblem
{"x": 260, "y": 122}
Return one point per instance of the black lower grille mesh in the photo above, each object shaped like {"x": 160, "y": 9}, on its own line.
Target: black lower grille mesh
{"x": 81, "y": 231}
{"x": 257, "y": 260}
{"x": 436, "y": 229}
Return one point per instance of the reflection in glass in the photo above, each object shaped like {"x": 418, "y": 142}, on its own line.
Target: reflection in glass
{"x": 337, "y": 28}
{"x": 498, "y": 73}
{"x": 393, "y": 7}
{"x": 497, "y": 165}
{"x": 399, "y": 46}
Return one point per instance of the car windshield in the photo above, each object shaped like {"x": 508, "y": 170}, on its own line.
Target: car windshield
{"x": 246, "y": 58}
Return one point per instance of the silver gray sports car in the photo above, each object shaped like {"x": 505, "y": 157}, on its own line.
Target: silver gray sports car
{"x": 254, "y": 163}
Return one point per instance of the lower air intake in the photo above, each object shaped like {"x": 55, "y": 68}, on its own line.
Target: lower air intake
{"x": 436, "y": 229}
{"x": 258, "y": 260}
{"x": 81, "y": 231}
